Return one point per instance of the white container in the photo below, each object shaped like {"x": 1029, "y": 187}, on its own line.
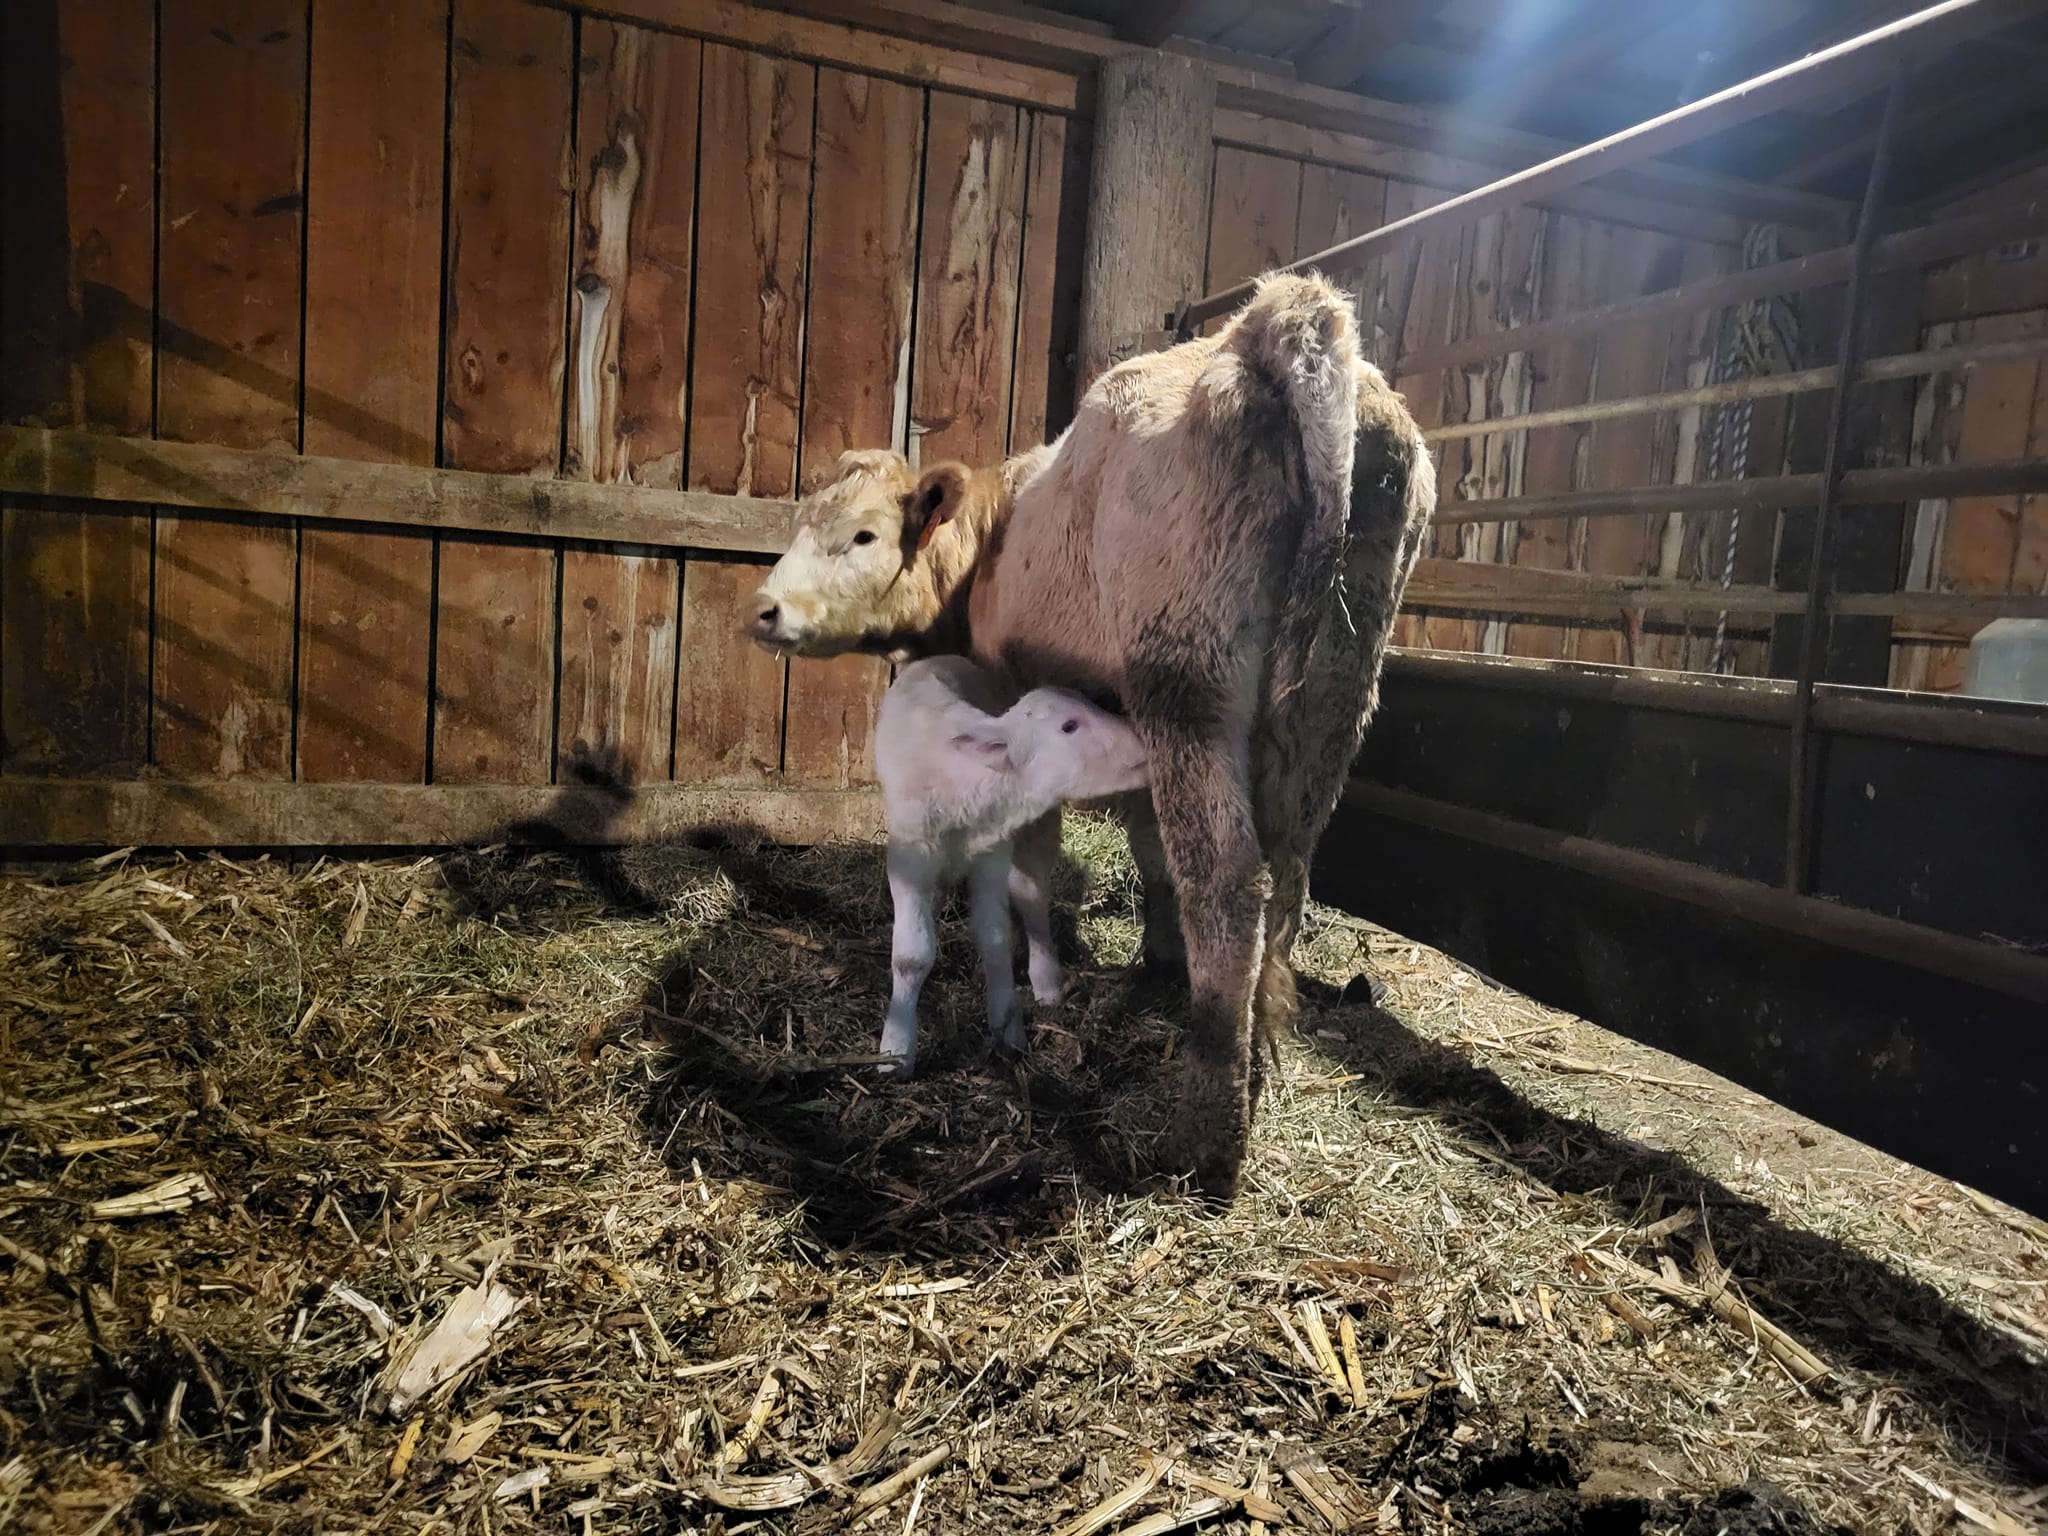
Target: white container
{"x": 2009, "y": 660}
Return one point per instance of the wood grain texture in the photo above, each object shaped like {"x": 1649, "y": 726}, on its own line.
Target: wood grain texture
{"x": 1416, "y": 305}
{"x": 745, "y": 395}
{"x": 375, "y": 122}
{"x": 77, "y": 278}
{"x": 755, "y": 190}
{"x": 618, "y": 677}
{"x": 967, "y": 288}
{"x": 863, "y": 270}
{"x": 508, "y": 237}
{"x": 636, "y": 201}
{"x": 74, "y": 640}
{"x": 1335, "y": 205}
{"x": 71, "y": 814}
{"x": 1042, "y": 397}
{"x": 1627, "y": 451}
{"x": 77, "y": 284}
{"x": 494, "y": 666}
{"x": 729, "y": 698}
{"x": 1252, "y": 218}
{"x": 228, "y": 329}
{"x": 508, "y": 260}
{"x": 1563, "y": 375}
{"x": 90, "y": 466}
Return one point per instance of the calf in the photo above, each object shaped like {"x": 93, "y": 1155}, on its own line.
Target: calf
{"x": 960, "y": 777}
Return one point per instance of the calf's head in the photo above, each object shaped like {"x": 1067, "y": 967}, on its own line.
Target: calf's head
{"x": 1056, "y": 746}
{"x": 877, "y": 552}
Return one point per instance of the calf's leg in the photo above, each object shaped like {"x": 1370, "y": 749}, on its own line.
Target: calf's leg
{"x": 988, "y": 914}
{"x": 913, "y": 882}
{"x": 1034, "y": 853}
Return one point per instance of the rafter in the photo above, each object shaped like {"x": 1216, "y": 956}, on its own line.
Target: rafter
{"x": 1148, "y": 23}
{"x": 1345, "y": 52}
{"x": 1572, "y": 47}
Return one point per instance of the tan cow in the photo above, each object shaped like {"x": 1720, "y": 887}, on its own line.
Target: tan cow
{"x": 1219, "y": 541}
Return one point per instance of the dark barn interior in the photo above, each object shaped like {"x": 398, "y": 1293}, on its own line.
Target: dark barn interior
{"x": 440, "y": 955}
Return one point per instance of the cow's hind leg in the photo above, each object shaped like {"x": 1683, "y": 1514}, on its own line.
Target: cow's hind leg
{"x": 1205, "y": 823}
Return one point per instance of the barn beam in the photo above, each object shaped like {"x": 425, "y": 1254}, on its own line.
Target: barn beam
{"x": 1559, "y": 59}
{"x": 1148, "y": 202}
{"x": 1344, "y": 53}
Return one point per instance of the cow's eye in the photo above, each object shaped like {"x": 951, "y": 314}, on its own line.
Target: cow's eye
{"x": 865, "y": 536}
{"x": 1070, "y": 727}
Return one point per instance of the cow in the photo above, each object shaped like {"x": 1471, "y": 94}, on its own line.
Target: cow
{"x": 961, "y": 775}
{"x": 1218, "y": 543}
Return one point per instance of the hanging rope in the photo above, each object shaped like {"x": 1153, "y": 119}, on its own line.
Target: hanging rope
{"x": 1764, "y": 339}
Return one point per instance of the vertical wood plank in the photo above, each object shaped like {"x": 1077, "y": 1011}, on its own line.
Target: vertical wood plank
{"x": 636, "y": 203}
{"x": 1335, "y": 206}
{"x": 74, "y": 640}
{"x": 856, "y": 370}
{"x": 1417, "y": 304}
{"x": 1049, "y": 291}
{"x": 1562, "y": 375}
{"x": 636, "y": 189}
{"x": 1252, "y": 217}
{"x": 967, "y": 290}
{"x": 494, "y": 668}
{"x": 77, "y": 284}
{"x": 1625, "y": 452}
{"x": 375, "y": 128}
{"x": 507, "y": 285}
{"x": 729, "y": 698}
{"x": 618, "y": 676}
{"x": 228, "y": 372}
{"x": 746, "y": 379}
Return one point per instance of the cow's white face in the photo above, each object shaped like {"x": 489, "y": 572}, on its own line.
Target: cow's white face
{"x": 843, "y": 577}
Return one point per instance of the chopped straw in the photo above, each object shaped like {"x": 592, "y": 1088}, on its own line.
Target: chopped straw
{"x": 577, "y": 1164}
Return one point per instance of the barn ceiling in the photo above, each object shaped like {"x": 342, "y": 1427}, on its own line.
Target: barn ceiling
{"x": 1580, "y": 69}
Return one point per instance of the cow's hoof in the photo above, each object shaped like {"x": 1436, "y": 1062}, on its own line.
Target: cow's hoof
{"x": 1210, "y": 1134}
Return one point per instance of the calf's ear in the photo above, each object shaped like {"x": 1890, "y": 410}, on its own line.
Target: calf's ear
{"x": 991, "y": 749}
{"x": 940, "y": 494}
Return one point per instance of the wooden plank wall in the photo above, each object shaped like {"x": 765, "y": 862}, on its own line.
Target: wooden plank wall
{"x": 496, "y": 236}
{"x": 1502, "y": 272}
{"x": 1976, "y": 544}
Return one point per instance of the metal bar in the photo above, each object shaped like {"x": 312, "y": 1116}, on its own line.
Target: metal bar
{"x": 1904, "y": 251}
{"x": 1994, "y": 967}
{"x": 1858, "y": 487}
{"x": 1782, "y": 87}
{"x": 1899, "y": 365}
{"x": 1983, "y": 725}
{"x": 1799, "y": 803}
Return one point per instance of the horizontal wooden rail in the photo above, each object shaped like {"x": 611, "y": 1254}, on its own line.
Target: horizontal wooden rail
{"x": 1900, "y": 365}
{"x": 1987, "y": 725}
{"x": 1804, "y": 79}
{"x": 1905, "y": 251}
{"x": 166, "y": 813}
{"x": 2013, "y": 972}
{"x": 1481, "y": 586}
{"x": 1860, "y": 487}
{"x": 93, "y": 467}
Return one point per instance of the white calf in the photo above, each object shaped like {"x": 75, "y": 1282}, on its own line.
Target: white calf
{"x": 960, "y": 776}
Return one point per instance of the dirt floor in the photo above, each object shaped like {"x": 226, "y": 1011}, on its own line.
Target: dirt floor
{"x": 263, "y": 1131}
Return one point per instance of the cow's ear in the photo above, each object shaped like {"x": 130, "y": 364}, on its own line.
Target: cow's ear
{"x": 939, "y": 495}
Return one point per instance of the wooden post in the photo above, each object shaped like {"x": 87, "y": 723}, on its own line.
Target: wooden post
{"x": 1148, "y": 201}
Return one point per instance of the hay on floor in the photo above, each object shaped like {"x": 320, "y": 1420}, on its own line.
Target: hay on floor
{"x": 577, "y": 1167}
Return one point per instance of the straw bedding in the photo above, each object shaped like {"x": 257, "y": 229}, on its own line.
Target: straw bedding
{"x": 510, "y": 1192}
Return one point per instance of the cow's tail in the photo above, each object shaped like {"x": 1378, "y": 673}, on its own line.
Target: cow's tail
{"x": 1302, "y": 335}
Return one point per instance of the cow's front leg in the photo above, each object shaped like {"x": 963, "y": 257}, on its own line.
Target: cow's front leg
{"x": 913, "y": 882}
{"x": 1034, "y": 853}
{"x": 988, "y": 913}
